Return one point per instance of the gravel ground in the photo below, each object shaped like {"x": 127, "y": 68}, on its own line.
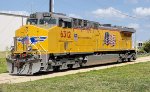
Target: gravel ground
{"x": 6, "y": 78}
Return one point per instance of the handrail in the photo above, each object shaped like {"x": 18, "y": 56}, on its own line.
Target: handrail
{"x": 45, "y": 51}
{"x": 37, "y": 49}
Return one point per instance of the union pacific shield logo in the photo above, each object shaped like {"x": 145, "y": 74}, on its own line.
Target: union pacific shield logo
{"x": 31, "y": 40}
{"x": 34, "y": 40}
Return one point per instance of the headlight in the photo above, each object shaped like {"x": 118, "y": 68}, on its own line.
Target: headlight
{"x": 29, "y": 48}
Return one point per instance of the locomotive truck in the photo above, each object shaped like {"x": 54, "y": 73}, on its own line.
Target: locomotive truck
{"x": 54, "y": 41}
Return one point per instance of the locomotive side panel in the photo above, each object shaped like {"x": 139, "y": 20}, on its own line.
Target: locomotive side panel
{"x": 84, "y": 40}
{"x": 66, "y": 40}
{"x": 109, "y": 40}
{"x": 114, "y": 40}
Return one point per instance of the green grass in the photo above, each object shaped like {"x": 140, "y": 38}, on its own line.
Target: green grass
{"x": 3, "y": 68}
{"x": 130, "y": 78}
{"x": 2, "y": 54}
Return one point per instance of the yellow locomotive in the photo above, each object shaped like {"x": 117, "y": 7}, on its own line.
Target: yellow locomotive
{"x": 53, "y": 41}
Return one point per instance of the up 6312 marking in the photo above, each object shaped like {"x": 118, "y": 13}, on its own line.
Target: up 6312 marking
{"x": 65, "y": 34}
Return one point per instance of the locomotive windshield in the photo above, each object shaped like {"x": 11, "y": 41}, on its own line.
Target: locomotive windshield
{"x": 43, "y": 21}
{"x": 48, "y": 21}
{"x": 32, "y": 21}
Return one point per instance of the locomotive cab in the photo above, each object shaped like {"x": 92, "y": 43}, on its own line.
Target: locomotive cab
{"x": 42, "y": 19}
{"x": 48, "y": 20}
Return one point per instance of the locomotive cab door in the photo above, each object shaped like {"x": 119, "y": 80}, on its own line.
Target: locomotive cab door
{"x": 66, "y": 25}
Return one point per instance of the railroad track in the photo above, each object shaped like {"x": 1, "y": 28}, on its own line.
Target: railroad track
{"x": 6, "y": 78}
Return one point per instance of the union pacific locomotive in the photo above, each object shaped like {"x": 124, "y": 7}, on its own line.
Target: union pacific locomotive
{"x": 54, "y": 41}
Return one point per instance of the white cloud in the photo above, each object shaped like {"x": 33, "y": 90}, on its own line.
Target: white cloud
{"x": 75, "y": 16}
{"x": 134, "y": 25}
{"x": 108, "y": 13}
{"x": 142, "y": 12}
{"x": 16, "y": 12}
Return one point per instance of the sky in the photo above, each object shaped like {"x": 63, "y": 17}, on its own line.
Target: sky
{"x": 130, "y": 13}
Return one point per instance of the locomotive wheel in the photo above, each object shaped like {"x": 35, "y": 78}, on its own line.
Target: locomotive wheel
{"x": 83, "y": 63}
{"x": 134, "y": 57}
{"x": 70, "y": 66}
{"x": 120, "y": 60}
{"x": 129, "y": 59}
{"x": 56, "y": 68}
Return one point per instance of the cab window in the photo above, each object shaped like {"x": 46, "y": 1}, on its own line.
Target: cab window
{"x": 48, "y": 21}
{"x": 65, "y": 23}
{"x": 32, "y": 21}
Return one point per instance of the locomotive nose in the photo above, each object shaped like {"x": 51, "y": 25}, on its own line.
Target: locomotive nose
{"x": 30, "y": 38}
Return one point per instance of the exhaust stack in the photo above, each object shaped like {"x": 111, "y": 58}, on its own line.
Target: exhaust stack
{"x": 51, "y": 6}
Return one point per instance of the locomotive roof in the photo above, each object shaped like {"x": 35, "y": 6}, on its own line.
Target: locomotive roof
{"x": 47, "y": 14}
{"x": 120, "y": 28}
{"x": 40, "y": 15}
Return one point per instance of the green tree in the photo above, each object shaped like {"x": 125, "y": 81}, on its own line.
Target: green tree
{"x": 146, "y": 46}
